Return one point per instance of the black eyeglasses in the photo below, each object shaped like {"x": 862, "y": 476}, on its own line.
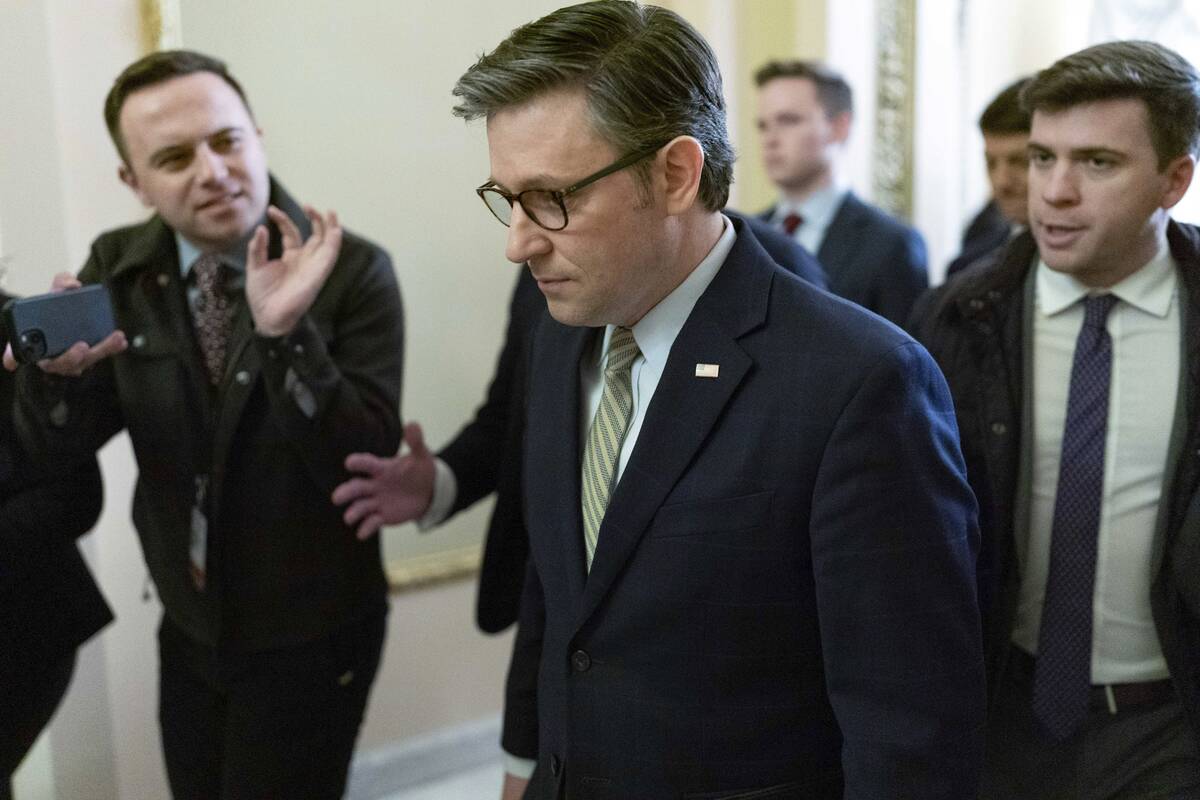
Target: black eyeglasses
{"x": 545, "y": 206}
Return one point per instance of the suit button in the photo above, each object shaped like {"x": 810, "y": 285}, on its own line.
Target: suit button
{"x": 999, "y": 428}
{"x": 581, "y": 661}
{"x": 555, "y": 766}
{"x": 163, "y": 280}
{"x": 138, "y": 342}
{"x": 242, "y": 377}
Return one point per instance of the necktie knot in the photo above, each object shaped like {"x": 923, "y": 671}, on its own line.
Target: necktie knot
{"x": 622, "y": 350}
{"x": 1096, "y": 309}
{"x": 207, "y": 269}
{"x": 791, "y": 222}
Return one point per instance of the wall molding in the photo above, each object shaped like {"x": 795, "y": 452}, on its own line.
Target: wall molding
{"x": 383, "y": 771}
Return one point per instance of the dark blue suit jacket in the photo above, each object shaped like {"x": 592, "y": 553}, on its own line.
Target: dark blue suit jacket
{"x": 987, "y": 232}
{"x": 873, "y": 259}
{"x": 783, "y": 595}
{"x": 485, "y": 455}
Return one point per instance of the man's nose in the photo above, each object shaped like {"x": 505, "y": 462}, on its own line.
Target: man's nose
{"x": 211, "y": 164}
{"x": 525, "y": 237}
{"x": 1059, "y": 185}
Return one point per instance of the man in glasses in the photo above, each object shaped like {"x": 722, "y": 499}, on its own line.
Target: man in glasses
{"x": 751, "y": 538}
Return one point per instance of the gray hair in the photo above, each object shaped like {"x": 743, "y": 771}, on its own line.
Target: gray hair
{"x": 648, "y": 77}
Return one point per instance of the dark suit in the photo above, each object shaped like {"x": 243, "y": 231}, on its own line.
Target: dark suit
{"x": 49, "y": 603}
{"x": 987, "y": 231}
{"x": 977, "y": 327}
{"x": 782, "y": 599}
{"x": 872, "y": 259}
{"x": 283, "y": 569}
{"x": 485, "y": 455}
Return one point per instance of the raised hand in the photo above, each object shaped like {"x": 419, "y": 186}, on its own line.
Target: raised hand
{"x": 388, "y": 491}
{"x": 281, "y": 291}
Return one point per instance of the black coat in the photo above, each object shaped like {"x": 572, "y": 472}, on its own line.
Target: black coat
{"x": 282, "y": 566}
{"x": 49, "y": 603}
{"x": 975, "y": 327}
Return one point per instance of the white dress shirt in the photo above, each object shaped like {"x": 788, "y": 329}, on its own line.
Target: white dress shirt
{"x": 817, "y": 210}
{"x": 1145, "y": 330}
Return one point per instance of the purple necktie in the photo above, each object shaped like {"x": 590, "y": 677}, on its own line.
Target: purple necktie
{"x": 1063, "y": 672}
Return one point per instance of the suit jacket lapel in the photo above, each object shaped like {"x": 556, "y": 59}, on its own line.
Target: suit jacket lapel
{"x": 684, "y": 408}
{"x": 552, "y": 456}
{"x": 842, "y": 235}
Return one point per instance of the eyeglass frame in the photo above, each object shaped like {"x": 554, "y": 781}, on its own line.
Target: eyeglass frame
{"x": 560, "y": 195}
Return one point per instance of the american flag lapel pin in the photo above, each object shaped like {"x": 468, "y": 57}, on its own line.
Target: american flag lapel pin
{"x": 708, "y": 370}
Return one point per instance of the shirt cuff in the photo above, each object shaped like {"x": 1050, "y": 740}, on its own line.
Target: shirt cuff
{"x": 519, "y": 767}
{"x": 445, "y": 490}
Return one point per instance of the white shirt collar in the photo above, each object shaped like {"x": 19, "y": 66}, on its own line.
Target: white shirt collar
{"x": 1149, "y": 289}
{"x": 234, "y": 258}
{"x": 656, "y": 331}
{"x": 817, "y": 209}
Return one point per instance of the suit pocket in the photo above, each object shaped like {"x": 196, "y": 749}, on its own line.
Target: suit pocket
{"x": 778, "y": 792}
{"x": 722, "y": 515}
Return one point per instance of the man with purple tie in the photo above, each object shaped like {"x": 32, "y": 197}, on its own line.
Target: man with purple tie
{"x": 1074, "y": 360}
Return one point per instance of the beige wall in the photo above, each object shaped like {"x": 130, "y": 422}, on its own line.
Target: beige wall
{"x": 360, "y": 124}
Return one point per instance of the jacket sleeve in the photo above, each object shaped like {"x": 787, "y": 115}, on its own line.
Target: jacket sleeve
{"x": 520, "y": 728}
{"x": 908, "y": 271}
{"x": 44, "y": 509}
{"x": 66, "y": 420}
{"x": 337, "y": 391}
{"x": 894, "y": 539}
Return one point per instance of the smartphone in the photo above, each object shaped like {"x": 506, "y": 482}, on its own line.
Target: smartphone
{"x": 46, "y": 325}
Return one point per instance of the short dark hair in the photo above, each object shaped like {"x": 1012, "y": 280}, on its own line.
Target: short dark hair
{"x": 1005, "y": 114}
{"x": 1162, "y": 79}
{"x": 835, "y": 95}
{"x": 648, "y": 77}
{"x": 157, "y": 68}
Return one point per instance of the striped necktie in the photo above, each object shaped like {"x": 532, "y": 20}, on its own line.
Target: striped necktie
{"x": 603, "y": 450}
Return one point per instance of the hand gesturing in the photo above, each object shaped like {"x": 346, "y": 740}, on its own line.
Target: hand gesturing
{"x": 282, "y": 290}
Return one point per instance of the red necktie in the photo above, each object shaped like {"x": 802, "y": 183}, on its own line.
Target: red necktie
{"x": 791, "y": 222}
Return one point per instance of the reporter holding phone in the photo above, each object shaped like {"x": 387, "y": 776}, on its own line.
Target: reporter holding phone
{"x": 49, "y": 603}
{"x": 257, "y": 345}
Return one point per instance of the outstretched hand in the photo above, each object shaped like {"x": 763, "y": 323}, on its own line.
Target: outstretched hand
{"x": 282, "y": 290}
{"x": 388, "y": 491}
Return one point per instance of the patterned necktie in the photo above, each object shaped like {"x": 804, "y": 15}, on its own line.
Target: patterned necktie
{"x": 791, "y": 222}
{"x": 1062, "y": 675}
{"x": 603, "y": 450}
{"x": 213, "y": 315}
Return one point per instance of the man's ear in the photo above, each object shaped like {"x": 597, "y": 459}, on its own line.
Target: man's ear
{"x": 1179, "y": 175}
{"x": 125, "y": 173}
{"x": 840, "y": 124}
{"x": 683, "y": 163}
